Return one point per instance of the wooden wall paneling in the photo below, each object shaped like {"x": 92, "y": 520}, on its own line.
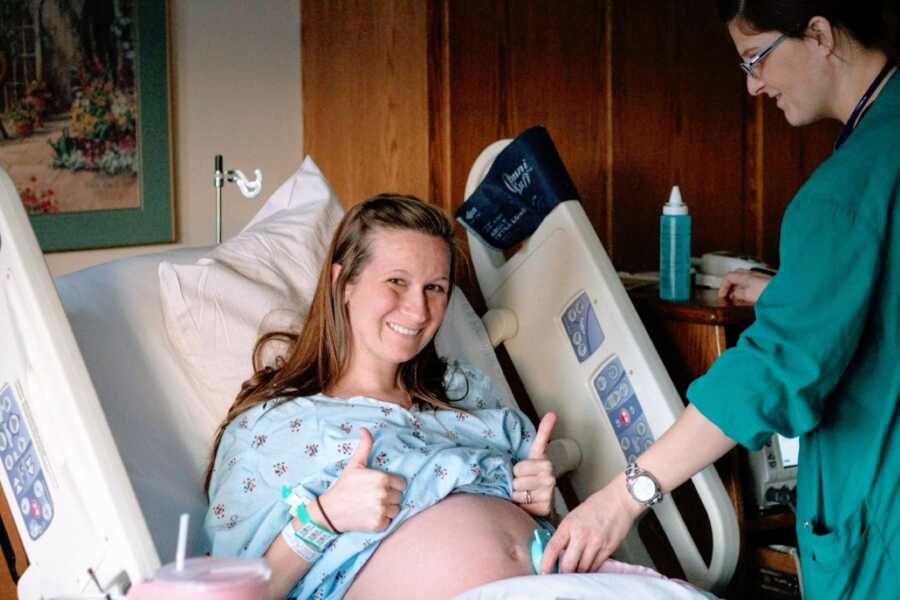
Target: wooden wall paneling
{"x": 365, "y": 105}
{"x": 677, "y": 119}
{"x": 515, "y": 65}
{"x": 711, "y": 139}
{"x": 754, "y": 166}
{"x": 789, "y": 156}
{"x": 477, "y": 56}
{"x": 555, "y": 78}
{"x": 473, "y": 102}
{"x": 438, "y": 59}
{"x": 644, "y": 102}
{"x": 403, "y": 95}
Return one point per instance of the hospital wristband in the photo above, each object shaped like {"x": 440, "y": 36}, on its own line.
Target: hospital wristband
{"x": 299, "y": 547}
{"x": 311, "y": 532}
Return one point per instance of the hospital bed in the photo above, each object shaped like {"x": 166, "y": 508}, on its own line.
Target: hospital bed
{"x": 110, "y": 437}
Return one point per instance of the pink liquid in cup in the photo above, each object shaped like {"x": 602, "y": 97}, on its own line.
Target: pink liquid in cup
{"x": 207, "y": 578}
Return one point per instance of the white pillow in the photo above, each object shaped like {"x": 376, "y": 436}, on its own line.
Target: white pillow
{"x": 213, "y": 309}
{"x": 306, "y": 185}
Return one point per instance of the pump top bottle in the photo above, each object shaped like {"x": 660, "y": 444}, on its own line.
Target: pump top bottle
{"x": 675, "y": 249}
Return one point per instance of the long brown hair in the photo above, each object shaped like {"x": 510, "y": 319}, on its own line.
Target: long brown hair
{"x": 319, "y": 355}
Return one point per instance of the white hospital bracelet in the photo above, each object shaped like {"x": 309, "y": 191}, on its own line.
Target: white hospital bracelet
{"x": 298, "y": 546}
{"x": 310, "y": 532}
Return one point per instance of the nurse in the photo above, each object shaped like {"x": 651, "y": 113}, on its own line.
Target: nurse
{"x": 822, "y": 360}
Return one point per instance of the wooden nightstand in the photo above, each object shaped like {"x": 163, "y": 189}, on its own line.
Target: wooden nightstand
{"x": 15, "y": 561}
{"x": 689, "y": 336}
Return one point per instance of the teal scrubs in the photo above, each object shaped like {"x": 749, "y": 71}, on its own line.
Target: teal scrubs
{"x": 822, "y": 362}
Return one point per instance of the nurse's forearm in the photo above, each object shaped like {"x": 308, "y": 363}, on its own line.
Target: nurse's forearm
{"x": 692, "y": 443}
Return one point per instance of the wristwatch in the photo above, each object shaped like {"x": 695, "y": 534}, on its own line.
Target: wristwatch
{"x": 642, "y": 486}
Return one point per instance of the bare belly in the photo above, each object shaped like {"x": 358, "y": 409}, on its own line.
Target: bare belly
{"x": 459, "y": 543}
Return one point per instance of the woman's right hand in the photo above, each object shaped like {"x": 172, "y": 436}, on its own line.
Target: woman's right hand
{"x": 363, "y": 499}
{"x": 743, "y": 285}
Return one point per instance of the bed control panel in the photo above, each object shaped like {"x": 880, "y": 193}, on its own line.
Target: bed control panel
{"x": 582, "y": 327}
{"x": 22, "y": 466}
{"x": 623, "y": 409}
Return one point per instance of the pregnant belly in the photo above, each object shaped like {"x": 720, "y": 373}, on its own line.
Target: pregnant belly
{"x": 459, "y": 543}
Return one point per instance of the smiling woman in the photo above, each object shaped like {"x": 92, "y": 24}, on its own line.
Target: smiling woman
{"x": 363, "y": 448}
{"x": 396, "y": 305}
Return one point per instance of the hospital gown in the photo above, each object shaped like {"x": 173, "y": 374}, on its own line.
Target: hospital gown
{"x": 305, "y": 443}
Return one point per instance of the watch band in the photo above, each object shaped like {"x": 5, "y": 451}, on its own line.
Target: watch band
{"x": 632, "y": 473}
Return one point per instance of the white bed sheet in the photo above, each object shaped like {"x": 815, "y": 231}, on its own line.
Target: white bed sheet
{"x": 116, "y": 316}
{"x": 586, "y": 586}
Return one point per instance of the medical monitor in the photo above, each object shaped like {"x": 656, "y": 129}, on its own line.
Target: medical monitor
{"x": 63, "y": 477}
{"x": 789, "y": 449}
{"x": 774, "y": 471}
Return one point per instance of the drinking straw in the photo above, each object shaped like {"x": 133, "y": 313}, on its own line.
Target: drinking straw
{"x": 182, "y": 541}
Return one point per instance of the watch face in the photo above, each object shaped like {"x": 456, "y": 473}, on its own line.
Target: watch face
{"x": 643, "y": 488}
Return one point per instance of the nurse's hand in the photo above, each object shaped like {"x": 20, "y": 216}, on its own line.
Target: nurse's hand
{"x": 743, "y": 286}
{"x": 363, "y": 499}
{"x": 533, "y": 478}
{"x": 593, "y": 530}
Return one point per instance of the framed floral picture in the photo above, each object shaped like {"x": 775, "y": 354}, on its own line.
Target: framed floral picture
{"x": 84, "y": 119}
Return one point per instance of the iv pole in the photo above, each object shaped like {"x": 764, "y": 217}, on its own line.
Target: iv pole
{"x": 250, "y": 189}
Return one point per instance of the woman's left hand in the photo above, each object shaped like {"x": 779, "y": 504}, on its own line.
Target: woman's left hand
{"x": 533, "y": 478}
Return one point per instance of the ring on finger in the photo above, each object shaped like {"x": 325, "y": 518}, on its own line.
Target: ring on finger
{"x": 528, "y": 498}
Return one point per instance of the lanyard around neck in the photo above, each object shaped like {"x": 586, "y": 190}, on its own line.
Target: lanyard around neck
{"x": 858, "y": 109}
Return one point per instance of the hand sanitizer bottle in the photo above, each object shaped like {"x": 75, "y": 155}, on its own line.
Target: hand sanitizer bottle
{"x": 675, "y": 250}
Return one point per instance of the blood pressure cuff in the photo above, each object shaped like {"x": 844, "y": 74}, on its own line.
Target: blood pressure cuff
{"x": 526, "y": 181}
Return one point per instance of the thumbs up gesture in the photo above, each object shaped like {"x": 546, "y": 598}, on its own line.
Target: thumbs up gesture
{"x": 363, "y": 499}
{"x": 533, "y": 478}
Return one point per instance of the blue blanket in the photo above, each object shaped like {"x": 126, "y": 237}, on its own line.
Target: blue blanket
{"x": 304, "y": 443}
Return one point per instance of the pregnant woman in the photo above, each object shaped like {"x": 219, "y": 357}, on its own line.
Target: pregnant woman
{"x": 362, "y": 465}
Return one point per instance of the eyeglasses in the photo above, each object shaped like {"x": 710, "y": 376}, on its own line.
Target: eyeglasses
{"x": 749, "y": 66}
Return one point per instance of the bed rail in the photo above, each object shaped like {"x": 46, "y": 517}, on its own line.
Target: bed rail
{"x": 65, "y": 482}
{"x": 614, "y": 400}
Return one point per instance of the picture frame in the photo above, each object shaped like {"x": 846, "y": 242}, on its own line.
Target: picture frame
{"x": 128, "y": 159}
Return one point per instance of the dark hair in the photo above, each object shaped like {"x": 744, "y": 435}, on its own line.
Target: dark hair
{"x": 319, "y": 355}
{"x": 872, "y": 23}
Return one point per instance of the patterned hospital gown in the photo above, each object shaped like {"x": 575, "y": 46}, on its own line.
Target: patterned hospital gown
{"x": 305, "y": 443}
